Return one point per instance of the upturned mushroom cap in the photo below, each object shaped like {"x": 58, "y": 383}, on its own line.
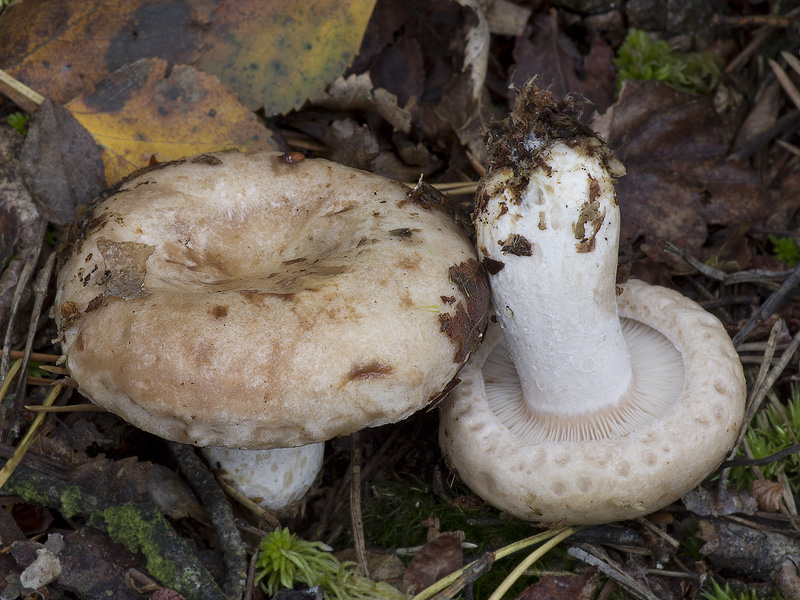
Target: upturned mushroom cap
{"x": 260, "y": 301}
{"x": 616, "y": 477}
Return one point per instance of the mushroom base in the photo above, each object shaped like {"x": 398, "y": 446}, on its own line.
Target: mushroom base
{"x": 611, "y": 478}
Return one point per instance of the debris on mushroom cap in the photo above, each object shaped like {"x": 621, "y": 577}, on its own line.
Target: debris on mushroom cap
{"x": 271, "y": 303}
{"x": 581, "y": 406}
{"x": 275, "y": 479}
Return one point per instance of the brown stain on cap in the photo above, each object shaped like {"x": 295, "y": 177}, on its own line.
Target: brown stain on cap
{"x": 372, "y": 370}
{"x": 219, "y": 311}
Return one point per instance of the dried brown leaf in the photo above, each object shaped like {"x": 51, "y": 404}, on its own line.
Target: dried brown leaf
{"x": 768, "y": 494}
{"x": 61, "y": 164}
{"x": 126, "y": 266}
{"x": 357, "y": 93}
{"x": 544, "y": 51}
{"x": 674, "y": 147}
{"x": 563, "y": 587}
{"x": 437, "y": 559}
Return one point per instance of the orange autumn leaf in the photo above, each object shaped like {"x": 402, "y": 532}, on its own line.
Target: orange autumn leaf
{"x": 154, "y": 108}
{"x": 278, "y": 54}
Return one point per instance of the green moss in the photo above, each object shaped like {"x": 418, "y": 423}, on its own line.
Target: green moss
{"x": 18, "y": 121}
{"x": 71, "y": 501}
{"x": 769, "y": 433}
{"x": 642, "y": 58}
{"x": 785, "y": 249}
{"x": 127, "y": 527}
{"x": 717, "y": 592}
{"x": 284, "y": 560}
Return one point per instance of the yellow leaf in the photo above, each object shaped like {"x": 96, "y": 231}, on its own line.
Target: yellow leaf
{"x": 152, "y": 107}
{"x": 277, "y": 54}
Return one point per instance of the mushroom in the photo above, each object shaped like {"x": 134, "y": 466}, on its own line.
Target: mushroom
{"x": 267, "y": 301}
{"x": 587, "y": 402}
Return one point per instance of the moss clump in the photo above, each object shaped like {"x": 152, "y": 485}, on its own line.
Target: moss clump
{"x": 640, "y": 57}
{"x": 717, "y": 592}
{"x": 774, "y": 429}
{"x": 284, "y": 560}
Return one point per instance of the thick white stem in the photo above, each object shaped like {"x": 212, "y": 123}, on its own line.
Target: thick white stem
{"x": 555, "y": 229}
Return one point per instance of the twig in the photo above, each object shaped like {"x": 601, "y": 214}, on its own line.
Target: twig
{"x": 780, "y": 127}
{"x": 770, "y": 305}
{"x": 356, "y": 521}
{"x": 263, "y": 515}
{"x": 705, "y": 269}
{"x": 40, "y": 408}
{"x": 760, "y": 36}
{"x": 40, "y": 356}
{"x": 24, "y": 276}
{"x": 786, "y": 82}
{"x": 25, "y": 443}
{"x": 612, "y": 572}
{"x": 659, "y": 532}
{"x": 767, "y": 383}
{"x": 468, "y": 575}
{"x": 19, "y": 93}
{"x": 741, "y": 461}
{"x": 40, "y": 289}
{"x": 776, "y": 21}
{"x": 212, "y": 497}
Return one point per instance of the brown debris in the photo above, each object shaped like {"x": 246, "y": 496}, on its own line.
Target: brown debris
{"x": 126, "y": 266}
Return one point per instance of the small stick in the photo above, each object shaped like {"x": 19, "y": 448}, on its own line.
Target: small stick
{"x": 40, "y": 288}
{"x": 786, "y": 82}
{"x": 612, "y": 572}
{"x": 15, "y": 354}
{"x": 88, "y": 407}
{"x": 776, "y": 21}
{"x": 19, "y": 93}
{"x": 529, "y": 560}
{"x": 355, "y": 506}
{"x": 770, "y": 305}
{"x": 19, "y": 453}
{"x": 659, "y": 532}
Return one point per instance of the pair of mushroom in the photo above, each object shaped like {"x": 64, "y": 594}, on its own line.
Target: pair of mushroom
{"x": 264, "y": 302}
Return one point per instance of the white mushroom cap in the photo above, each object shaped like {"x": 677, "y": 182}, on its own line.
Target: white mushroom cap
{"x": 275, "y": 479}
{"x": 581, "y": 405}
{"x": 257, "y": 301}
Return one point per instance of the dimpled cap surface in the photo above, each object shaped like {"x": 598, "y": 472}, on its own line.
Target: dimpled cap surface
{"x": 253, "y": 301}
